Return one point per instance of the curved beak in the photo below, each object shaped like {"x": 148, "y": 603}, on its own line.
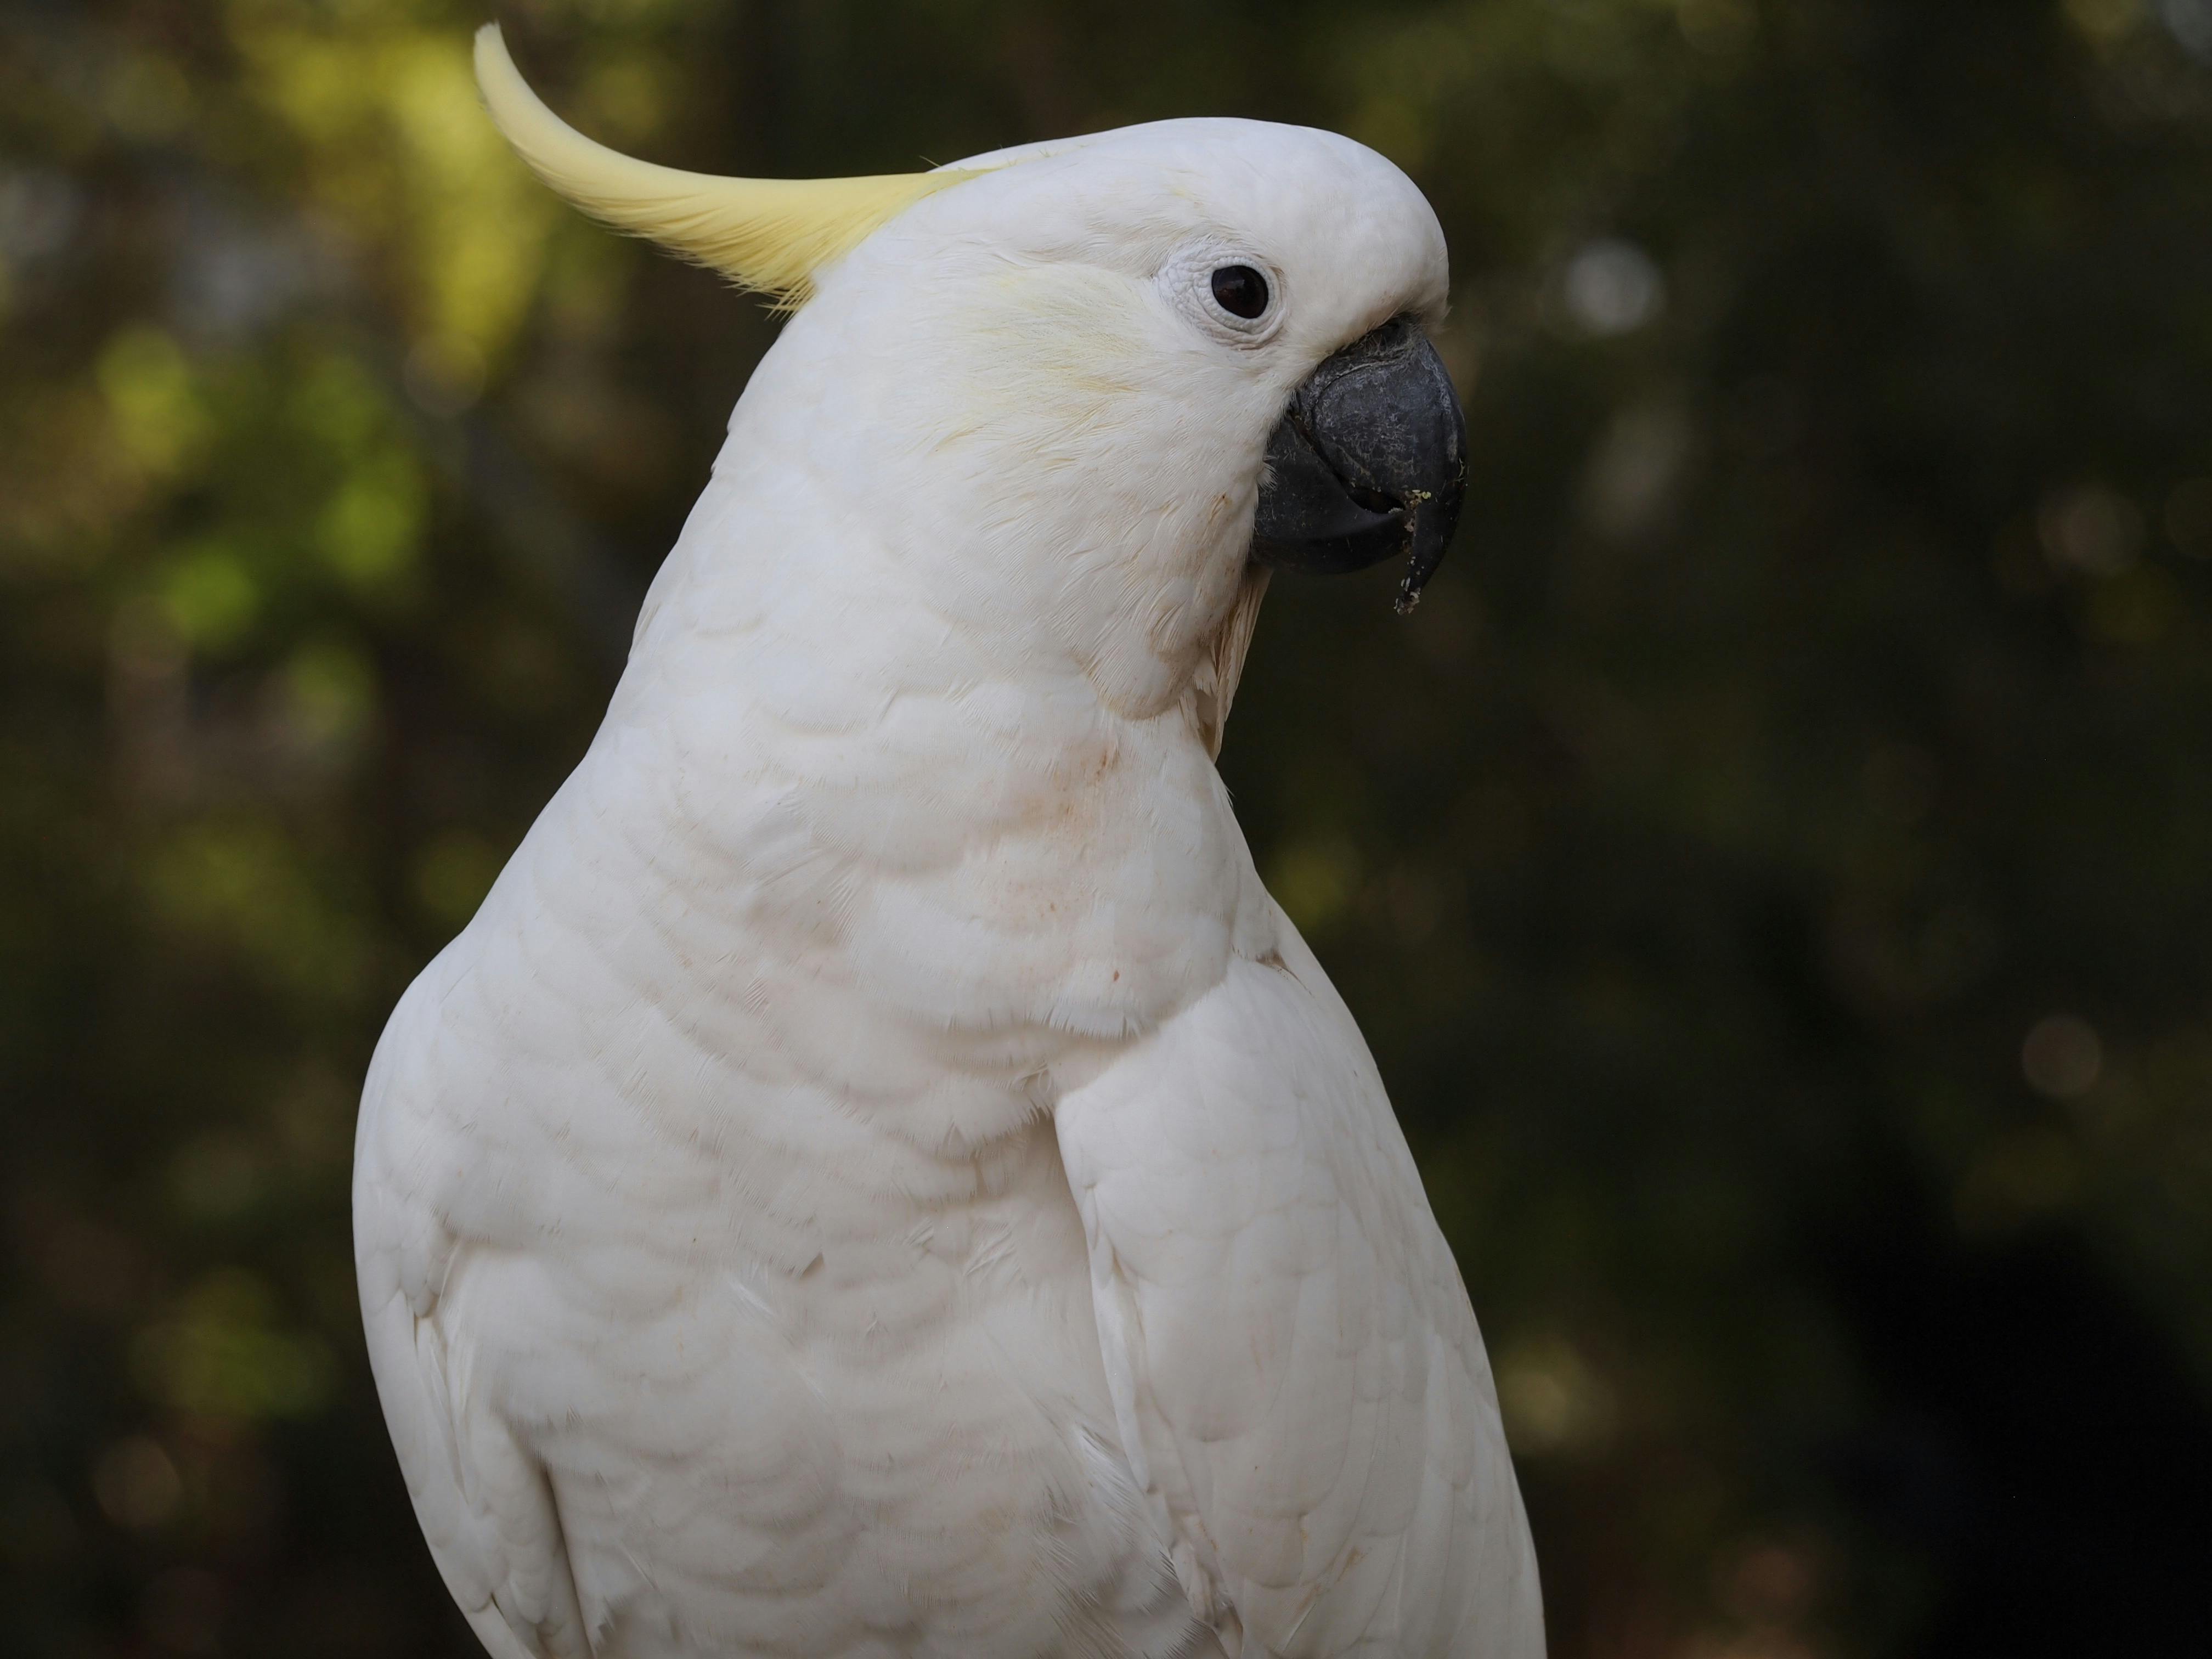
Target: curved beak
{"x": 1369, "y": 461}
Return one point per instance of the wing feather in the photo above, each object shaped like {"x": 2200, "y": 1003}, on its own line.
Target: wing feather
{"x": 1295, "y": 1368}
{"x": 486, "y": 1507}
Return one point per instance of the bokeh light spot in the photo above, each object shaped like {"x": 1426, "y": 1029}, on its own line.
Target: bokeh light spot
{"x": 1314, "y": 880}
{"x": 210, "y": 596}
{"x": 137, "y": 1483}
{"x": 2189, "y": 22}
{"x": 2062, "y": 1056}
{"x": 1614, "y": 287}
{"x": 2091, "y": 529}
{"x": 369, "y": 529}
{"x": 329, "y": 693}
{"x": 2104, "y": 21}
{"x": 2019, "y": 1178}
{"x": 2189, "y": 517}
{"x": 1552, "y": 1399}
{"x": 221, "y": 1354}
{"x": 216, "y": 1177}
{"x": 152, "y": 399}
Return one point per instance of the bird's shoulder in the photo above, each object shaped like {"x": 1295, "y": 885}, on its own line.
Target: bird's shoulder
{"x": 1294, "y": 1357}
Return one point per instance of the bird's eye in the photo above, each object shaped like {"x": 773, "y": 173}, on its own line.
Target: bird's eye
{"x": 1240, "y": 290}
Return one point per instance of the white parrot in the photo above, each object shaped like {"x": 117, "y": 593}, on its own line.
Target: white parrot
{"x": 878, "y": 1175}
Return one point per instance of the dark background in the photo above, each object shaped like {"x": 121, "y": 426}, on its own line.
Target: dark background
{"x": 1771, "y": 868}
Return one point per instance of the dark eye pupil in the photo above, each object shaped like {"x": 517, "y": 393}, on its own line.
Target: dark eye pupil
{"x": 1240, "y": 290}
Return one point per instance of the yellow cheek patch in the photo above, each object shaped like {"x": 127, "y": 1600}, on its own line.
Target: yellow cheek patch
{"x": 770, "y": 236}
{"x": 1066, "y": 329}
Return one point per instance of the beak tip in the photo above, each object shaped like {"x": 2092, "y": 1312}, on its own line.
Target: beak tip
{"x": 1415, "y": 582}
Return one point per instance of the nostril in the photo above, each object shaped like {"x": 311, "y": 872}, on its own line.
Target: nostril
{"x": 1374, "y": 500}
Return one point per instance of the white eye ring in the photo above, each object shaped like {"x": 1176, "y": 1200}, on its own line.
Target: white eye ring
{"x": 1187, "y": 279}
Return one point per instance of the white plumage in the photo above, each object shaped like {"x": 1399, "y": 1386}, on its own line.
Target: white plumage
{"x": 878, "y": 1175}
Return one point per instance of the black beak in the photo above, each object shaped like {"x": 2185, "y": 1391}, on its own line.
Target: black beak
{"x": 1370, "y": 460}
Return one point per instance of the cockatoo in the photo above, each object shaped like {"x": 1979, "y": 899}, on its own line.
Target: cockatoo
{"x": 878, "y": 1175}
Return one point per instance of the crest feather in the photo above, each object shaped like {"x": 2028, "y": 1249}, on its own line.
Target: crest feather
{"x": 766, "y": 234}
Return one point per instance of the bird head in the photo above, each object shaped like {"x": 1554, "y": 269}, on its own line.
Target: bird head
{"x": 1098, "y": 384}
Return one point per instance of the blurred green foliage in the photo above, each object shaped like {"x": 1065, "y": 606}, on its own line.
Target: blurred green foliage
{"x": 1772, "y": 867}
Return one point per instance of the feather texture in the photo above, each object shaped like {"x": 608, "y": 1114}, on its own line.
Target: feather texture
{"x": 1327, "y": 1460}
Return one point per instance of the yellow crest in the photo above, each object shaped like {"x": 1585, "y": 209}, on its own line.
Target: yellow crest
{"x": 766, "y": 234}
